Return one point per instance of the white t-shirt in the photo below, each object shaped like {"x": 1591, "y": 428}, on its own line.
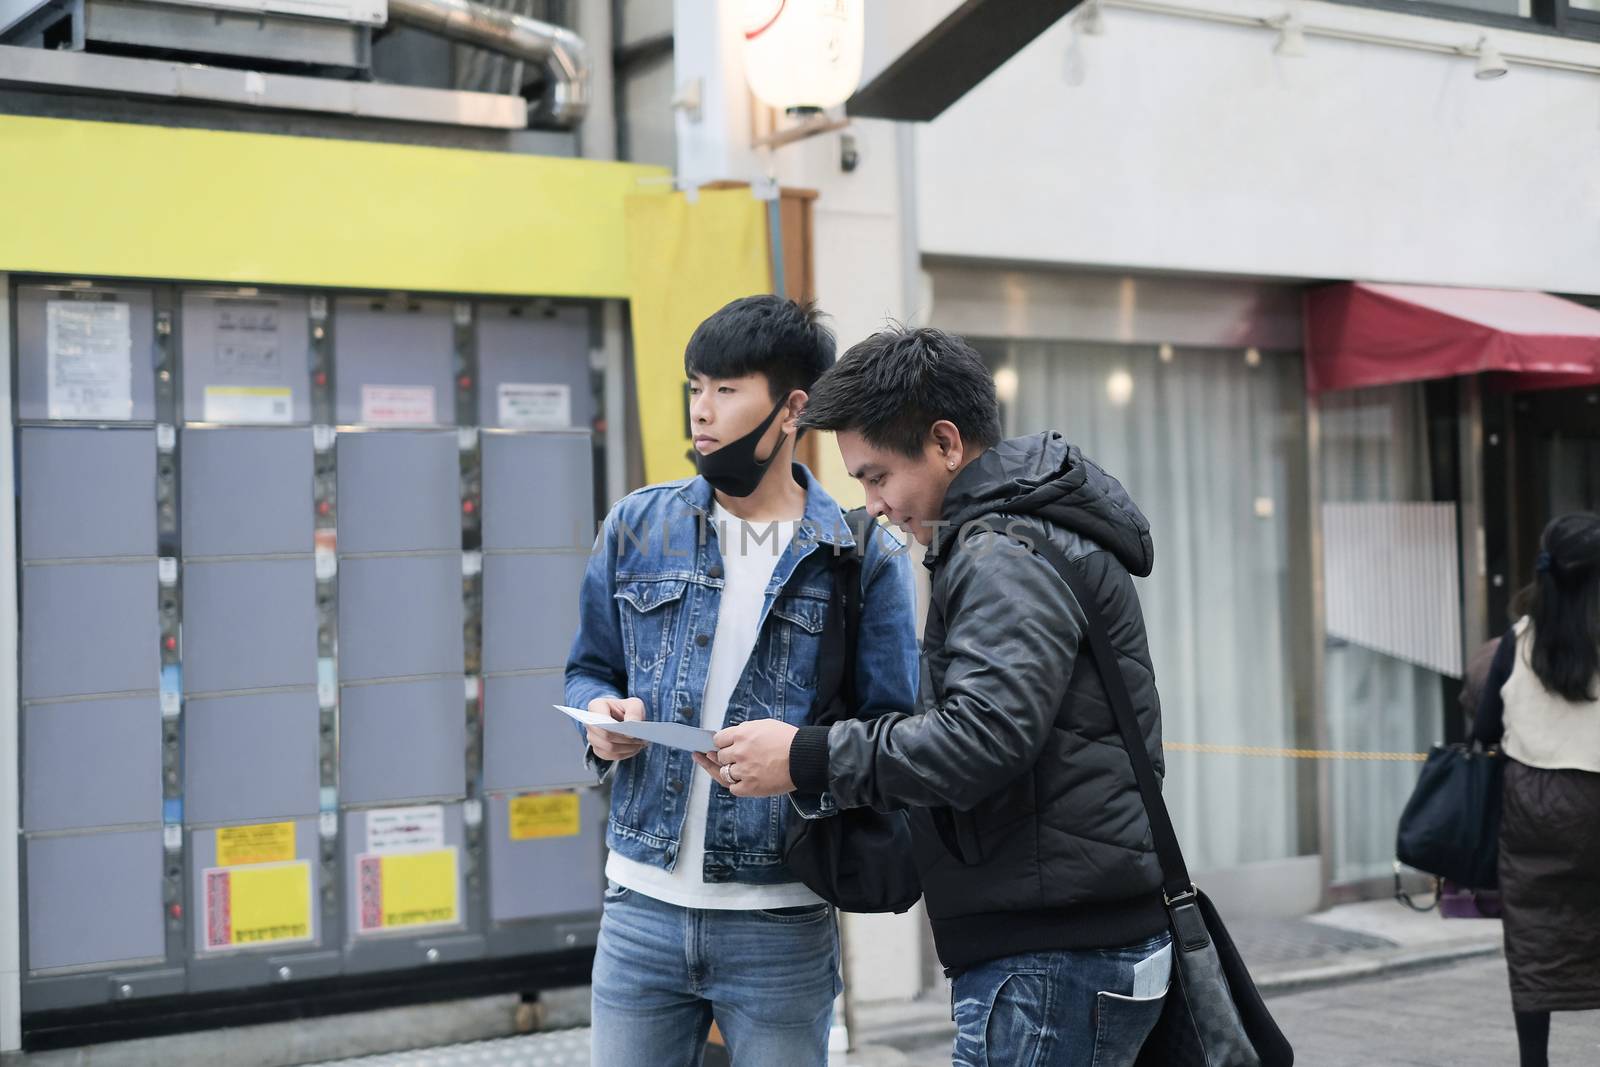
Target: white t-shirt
{"x": 747, "y": 567}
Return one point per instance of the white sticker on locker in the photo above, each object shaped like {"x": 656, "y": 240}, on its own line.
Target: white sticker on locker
{"x": 327, "y": 564}
{"x": 327, "y": 682}
{"x": 171, "y": 703}
{"x": 322, "y": 438}
{"x": 167, "y": 570}
{"x": 527, "y": 406}
{"x": 471, "y": 564}
{"x": 272, "y": 404}
{"x": 166, "y": 437}
{"x": 472, "y": 812}
{"x": 397, "y": 405}
{"x": 172, "y": 837}
{"x": 89, "y": 351}
{"x": 467, "y": 438}
{"x": 328, "y": 824}
{"x": 391, "y": 830}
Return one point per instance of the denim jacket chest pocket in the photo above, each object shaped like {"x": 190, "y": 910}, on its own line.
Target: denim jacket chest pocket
{"x": 650, "y": 610}
{"x": 798, "y": 619}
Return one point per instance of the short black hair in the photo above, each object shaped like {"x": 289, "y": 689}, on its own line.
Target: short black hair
{"x": 763, "y": 334}
{"x": 892, "y": 387}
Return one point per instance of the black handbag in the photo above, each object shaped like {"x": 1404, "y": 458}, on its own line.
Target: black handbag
{"x": 1213, "y": 1015}
{"x": 857, "y": 859}
{"x": 1451, "y": 825}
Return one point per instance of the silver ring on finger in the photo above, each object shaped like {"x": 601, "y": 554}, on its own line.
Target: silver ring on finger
{"x": 727, "y": 774}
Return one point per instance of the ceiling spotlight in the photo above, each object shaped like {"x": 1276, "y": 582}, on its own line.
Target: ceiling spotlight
{"x": 1165, "y": 352}
{"x": 1252, "y": 356}
{"x": 1092, "y": 22}
{"x": 1291, "y": 36}
{"x": 1491, "y": 64}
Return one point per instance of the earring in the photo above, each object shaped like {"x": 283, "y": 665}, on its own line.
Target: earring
{"x": 951, "y": 464}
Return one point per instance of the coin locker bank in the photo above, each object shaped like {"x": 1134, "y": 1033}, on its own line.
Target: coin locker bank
{"x": 297, "y": 573}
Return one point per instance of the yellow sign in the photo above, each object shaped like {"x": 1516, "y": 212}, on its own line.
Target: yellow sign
{"x": 408, "y": 889}
{"x": 262, "y": 904}
{"x": 539, "y": 815}
{"x": 268, "y": 842}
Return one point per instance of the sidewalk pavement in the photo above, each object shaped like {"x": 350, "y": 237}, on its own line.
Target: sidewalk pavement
{"x": 1345, "y": 944}
{"x": 1348, "y": 943}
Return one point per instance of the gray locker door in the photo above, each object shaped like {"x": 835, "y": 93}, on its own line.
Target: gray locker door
{"x": 91, "y": 763}
{"x": 401, "y": 740}
{"x": 247, "y": 492}
{"x": 393, "y": 344}
{"x": 94, "y": 899}
{"x": 251, "y": 757}
{"x": 89, "y": 628}
{"x": 538, "y": 491}
{"x": 524, "y": 345}
{"x": 33, "y": 338}
{"x": 527, "y": 744}
{"x": 544, "y": 877}
{"x": 356, "y": 844}
{"x": 249, "y": 625}
{"x": 203, "y": 856}
{"x": 399, "y": 491}
{"x": 400, "y": 616}
{"x": 87, "y": 493}
{"x": 233, "y": 342}
{"x": 530, "y": 610}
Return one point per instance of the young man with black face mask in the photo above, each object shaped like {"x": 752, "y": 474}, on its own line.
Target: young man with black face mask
{"x": 704, "y": 604}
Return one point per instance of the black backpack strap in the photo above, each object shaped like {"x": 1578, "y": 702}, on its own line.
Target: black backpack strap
{"x": 836, "y": 666}
{"x": 1175, "y": 872}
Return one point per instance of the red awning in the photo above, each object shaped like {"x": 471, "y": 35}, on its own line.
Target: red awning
{"x": 1360, "y": 334}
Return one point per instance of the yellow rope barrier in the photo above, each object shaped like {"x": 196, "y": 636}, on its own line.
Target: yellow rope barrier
{"x": 1291, "y": 753}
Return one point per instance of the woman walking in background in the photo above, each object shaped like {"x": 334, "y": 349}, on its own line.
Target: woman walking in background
{"x": 1541, "y": 707}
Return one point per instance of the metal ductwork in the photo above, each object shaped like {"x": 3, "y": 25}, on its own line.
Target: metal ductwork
{"x": 559, "y": 52}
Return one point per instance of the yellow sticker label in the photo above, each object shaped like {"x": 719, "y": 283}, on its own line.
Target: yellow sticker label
{"x": 407, "y": 889}
{"x": 267, "y": 842}
{"x": 539, "y": 815}
{"x": 258, "y": 905}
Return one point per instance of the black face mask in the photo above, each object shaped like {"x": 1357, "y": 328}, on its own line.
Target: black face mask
{"x": 734, "y": 469}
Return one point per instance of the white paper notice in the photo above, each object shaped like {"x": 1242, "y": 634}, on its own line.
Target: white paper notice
{"x": 90, "y": 355}
{"x": 671, "y": 734}
{"x": 525, "y": 406}
{"x": 247, "y": 403}
{"x": 397, "y": 405}
{"x": 392, "y": 830}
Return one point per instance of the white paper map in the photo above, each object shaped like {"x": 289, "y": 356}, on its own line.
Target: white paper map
{"x": 90, "y": 353}
{"x": 671, "y": 734}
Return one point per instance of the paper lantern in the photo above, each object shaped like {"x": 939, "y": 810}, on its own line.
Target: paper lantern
{"x": 803, "y": 53}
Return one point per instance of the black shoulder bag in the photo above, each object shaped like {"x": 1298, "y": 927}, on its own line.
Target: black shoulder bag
{"x": 858, "y": 859}
{"x": 1213, "y": 1016}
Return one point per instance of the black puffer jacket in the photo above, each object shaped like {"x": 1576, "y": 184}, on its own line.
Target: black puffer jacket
{"x": 1030, "y": 831}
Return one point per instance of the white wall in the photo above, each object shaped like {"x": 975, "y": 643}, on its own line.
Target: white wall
{"x": 1175, "y": 144}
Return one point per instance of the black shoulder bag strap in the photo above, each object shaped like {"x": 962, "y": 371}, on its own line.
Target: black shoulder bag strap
{"x": 1176, "y": 886}
{"x": 836, "y": 673}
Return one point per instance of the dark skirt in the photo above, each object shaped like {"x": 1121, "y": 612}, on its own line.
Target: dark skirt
{"x": 1550, "y": 884}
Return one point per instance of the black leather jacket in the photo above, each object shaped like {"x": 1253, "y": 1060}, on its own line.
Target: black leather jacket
{"x": 1029, "y": 827}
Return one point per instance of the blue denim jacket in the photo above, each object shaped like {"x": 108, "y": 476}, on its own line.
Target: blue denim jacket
{"x": 648, "y": 613}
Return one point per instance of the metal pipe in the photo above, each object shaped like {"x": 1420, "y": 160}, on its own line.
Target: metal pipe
{"x": 562, "y": 53}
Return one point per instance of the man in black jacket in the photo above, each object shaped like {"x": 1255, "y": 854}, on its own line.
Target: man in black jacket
{"x": 1037, "y": 862}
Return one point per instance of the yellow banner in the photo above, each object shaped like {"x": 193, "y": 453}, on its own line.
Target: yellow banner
{"x": 262, "y": 904}
{"x": 409, "y": 889}
{"x": 685, "y": 260}
{"x": 268, "y": 842}
{"x": 538, "y": 815}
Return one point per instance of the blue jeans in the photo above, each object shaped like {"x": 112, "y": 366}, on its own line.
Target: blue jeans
{"x": 1088, "y": 1008}
{"x": 662, "y": 974}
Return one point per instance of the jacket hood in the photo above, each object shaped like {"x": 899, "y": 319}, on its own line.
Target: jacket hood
{"x": 1044, "y": 476}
